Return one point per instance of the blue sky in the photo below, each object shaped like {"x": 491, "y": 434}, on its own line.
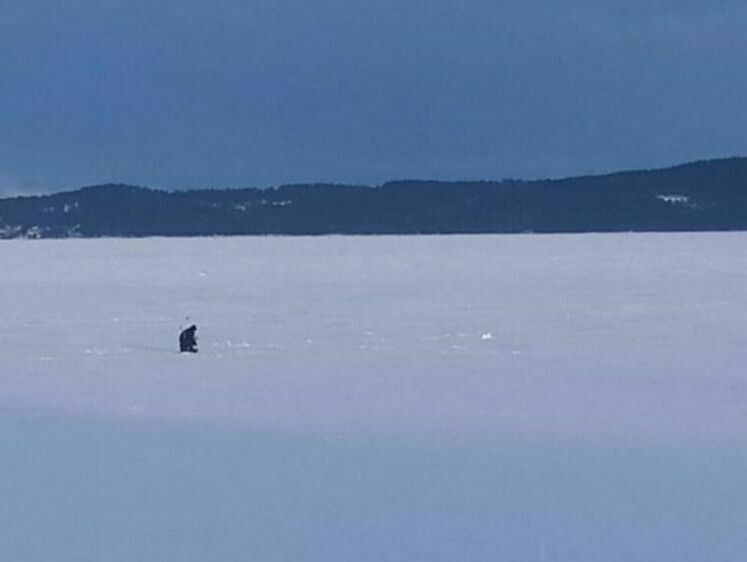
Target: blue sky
{"x": 232, "y": 93}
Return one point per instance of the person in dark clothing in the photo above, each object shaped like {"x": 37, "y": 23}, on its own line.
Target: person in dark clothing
{"x": 188, "y": 340}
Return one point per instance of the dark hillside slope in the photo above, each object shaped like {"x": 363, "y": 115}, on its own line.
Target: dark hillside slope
{"x": 708, "y": 195}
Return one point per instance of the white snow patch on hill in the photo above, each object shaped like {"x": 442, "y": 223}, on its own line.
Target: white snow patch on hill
{"x": 675, "y": 199}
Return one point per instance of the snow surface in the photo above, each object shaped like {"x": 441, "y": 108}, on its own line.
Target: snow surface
{"x": 532, "y": 398}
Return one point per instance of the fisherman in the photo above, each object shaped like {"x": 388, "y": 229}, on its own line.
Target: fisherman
{"x": 188, "y": 340}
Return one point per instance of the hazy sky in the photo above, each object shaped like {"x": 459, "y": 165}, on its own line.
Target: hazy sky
{"x": 235, "y": 93}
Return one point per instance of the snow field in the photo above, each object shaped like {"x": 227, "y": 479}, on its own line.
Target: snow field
{"x": 524, "y": 398}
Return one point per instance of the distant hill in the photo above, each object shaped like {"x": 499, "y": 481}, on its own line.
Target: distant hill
{"x": 707, "y": 195}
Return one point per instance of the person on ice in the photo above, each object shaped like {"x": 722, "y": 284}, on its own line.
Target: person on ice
{"x": 188, "y": 340}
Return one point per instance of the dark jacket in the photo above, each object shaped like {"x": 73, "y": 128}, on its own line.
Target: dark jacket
{"x": 188, "y": 340}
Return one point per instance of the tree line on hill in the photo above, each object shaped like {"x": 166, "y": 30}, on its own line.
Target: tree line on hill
{"x": 707, "y": 195}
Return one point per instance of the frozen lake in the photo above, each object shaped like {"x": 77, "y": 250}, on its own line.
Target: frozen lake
{"x": 531, "y": 398}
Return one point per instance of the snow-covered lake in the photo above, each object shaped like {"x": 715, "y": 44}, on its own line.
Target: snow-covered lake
{"x": 528, "y": 398}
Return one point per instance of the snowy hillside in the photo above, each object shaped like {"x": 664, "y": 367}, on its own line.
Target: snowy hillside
{"x": 530, "y": 398}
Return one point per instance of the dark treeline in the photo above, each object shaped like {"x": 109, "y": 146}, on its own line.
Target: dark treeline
{"x": 709, "y": 195}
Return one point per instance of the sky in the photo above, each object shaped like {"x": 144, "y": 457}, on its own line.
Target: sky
{"x": 236, "y": 93}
